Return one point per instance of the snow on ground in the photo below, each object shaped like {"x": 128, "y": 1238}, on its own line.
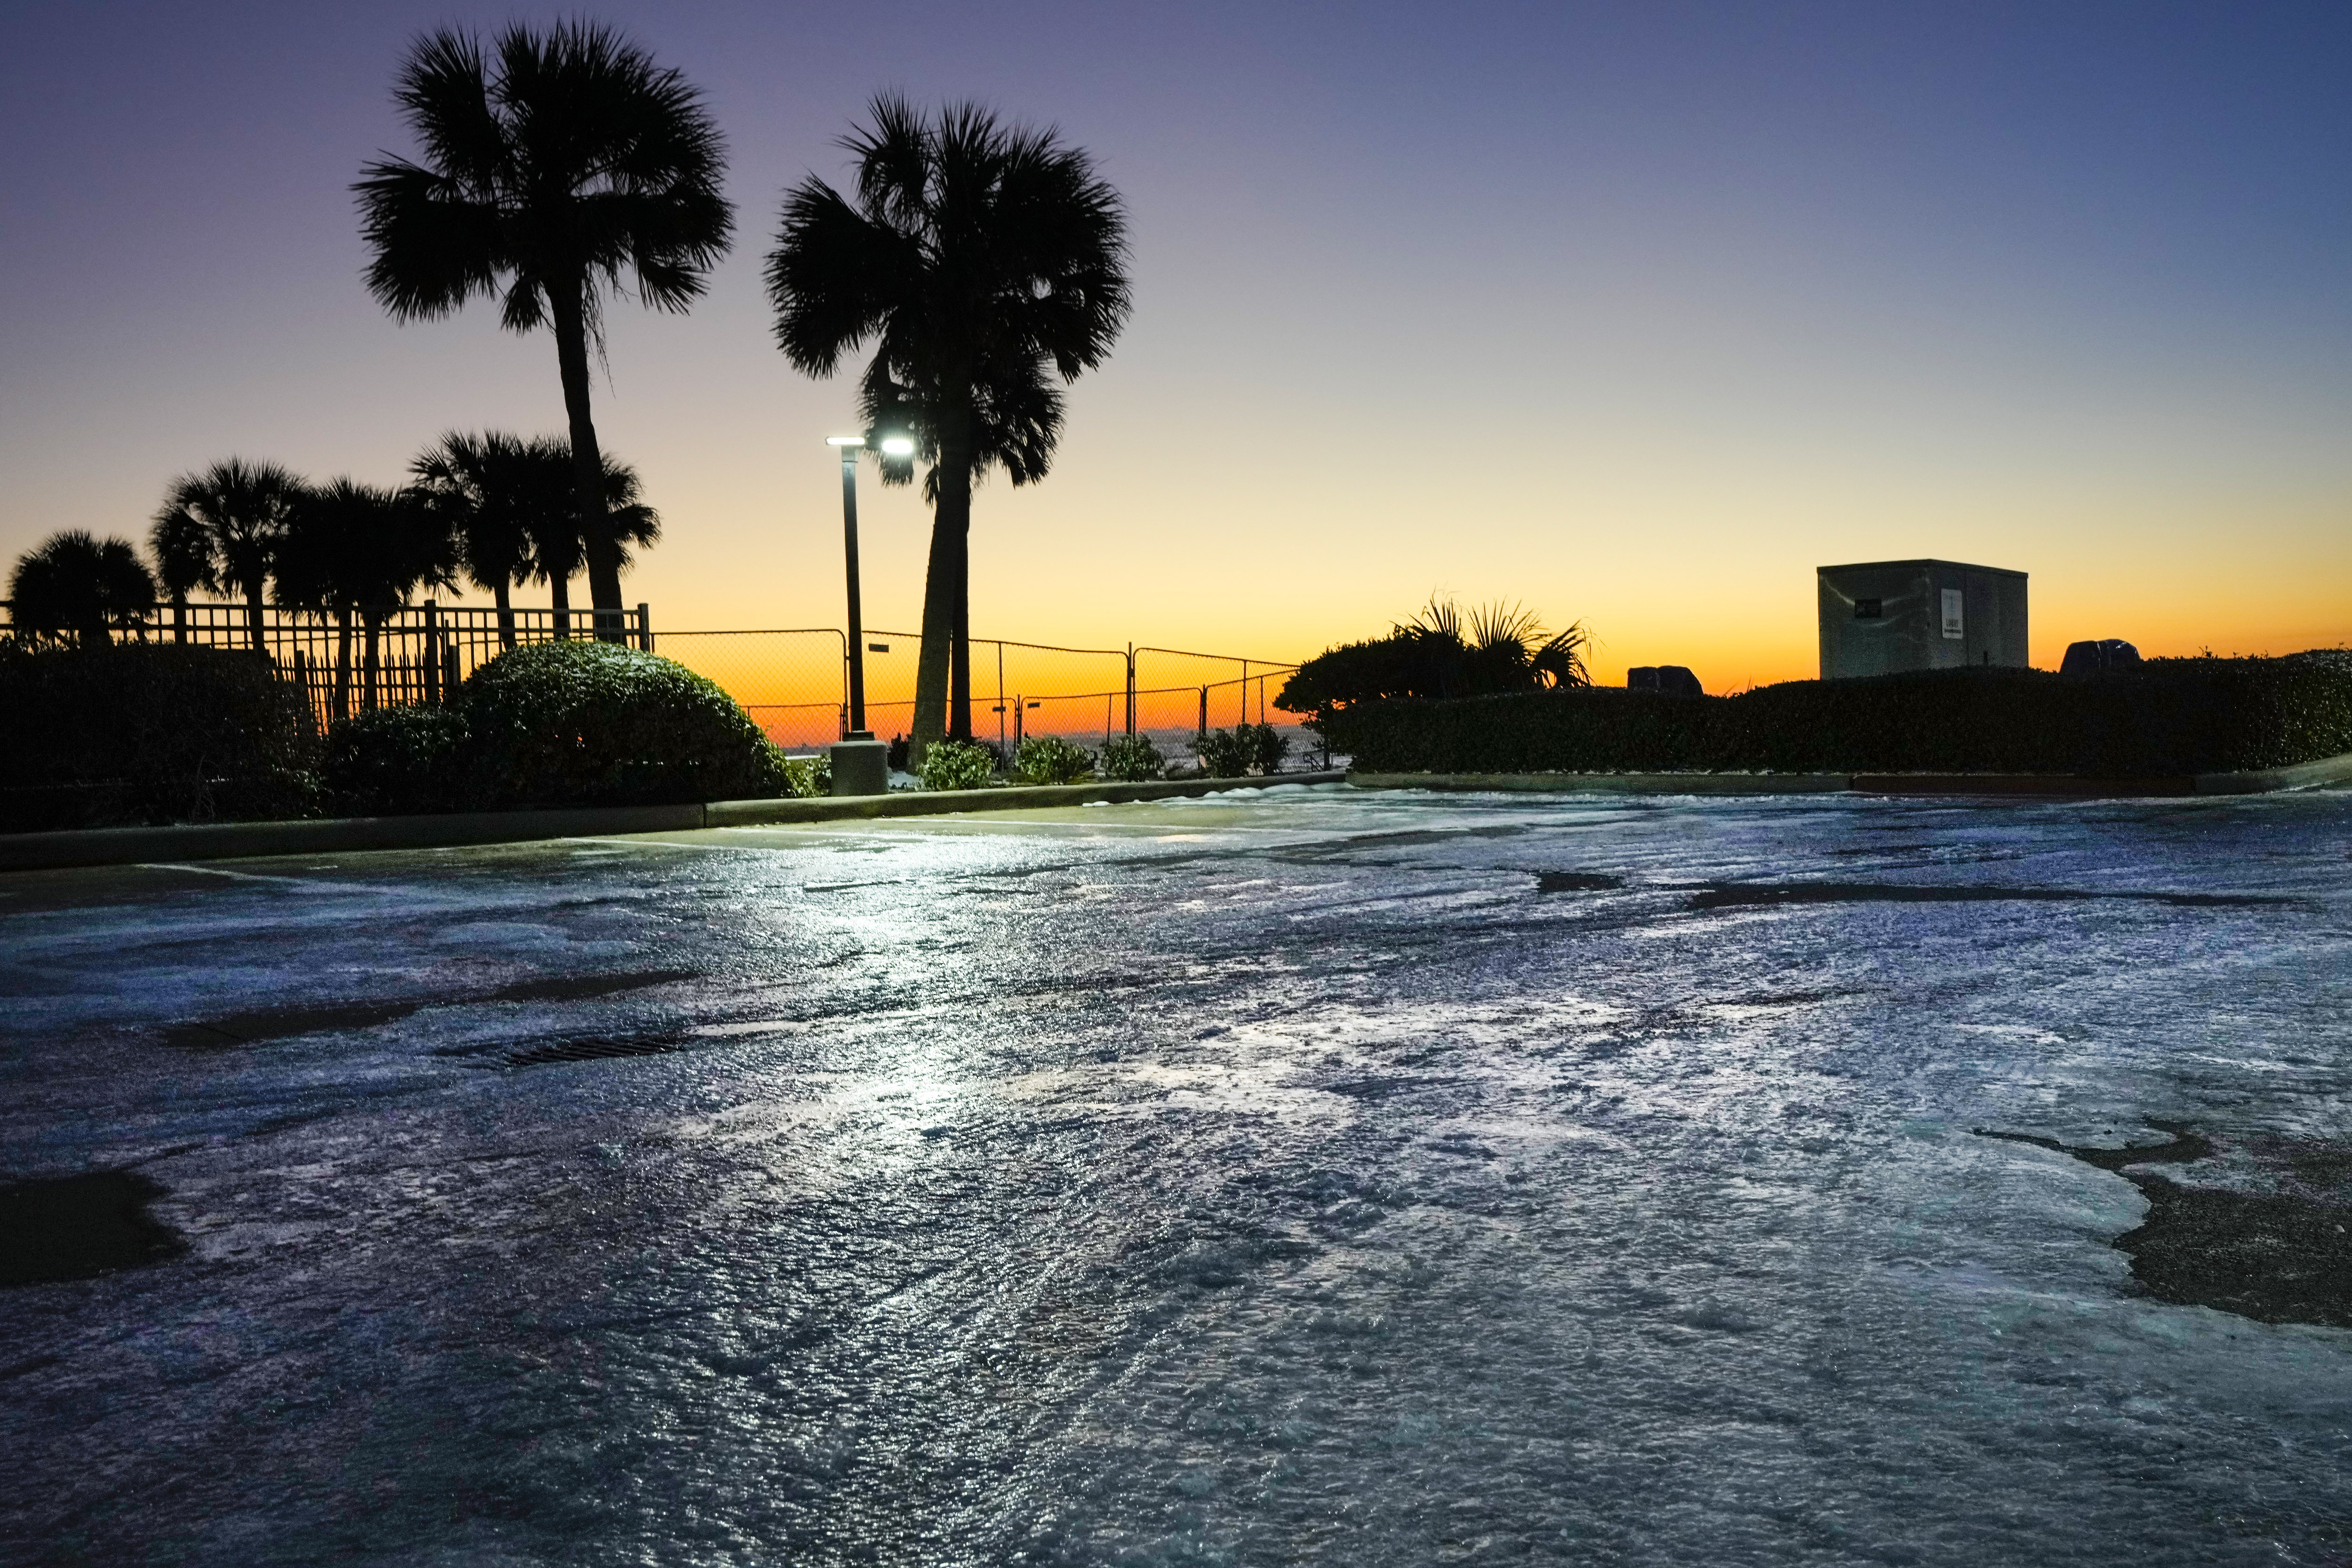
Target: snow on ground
{"x": 1306, "y": 1176}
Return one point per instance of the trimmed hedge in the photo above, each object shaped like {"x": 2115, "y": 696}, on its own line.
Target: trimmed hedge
{"x": 138, "y": 733}
{"x": 595, "y": 723}
{"x": 396, "y": 761}
{"x": 2166, "y": 718}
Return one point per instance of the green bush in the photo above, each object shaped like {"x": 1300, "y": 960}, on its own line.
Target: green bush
{"x": 1132, "y": 759}
{"x": 1267, "y": 748}
{"x": 1050, "y": 760}
{"x": 595, "y": 723}
{"x": 808, "y": 777}
{"x": 396, "y": 761}
{"x": 2166, "y": 718}
{"x": 958, "y": 765}
{"x": 1244, "y": 749}
{"x": 150, "y": 732}
{"x": 1226, "y": 753}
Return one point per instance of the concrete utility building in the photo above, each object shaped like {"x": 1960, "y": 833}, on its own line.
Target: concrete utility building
{"x": 1879, "y": 617}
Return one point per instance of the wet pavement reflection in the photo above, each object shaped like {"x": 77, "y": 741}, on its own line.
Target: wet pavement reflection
{"x": 1308, "y": 1176}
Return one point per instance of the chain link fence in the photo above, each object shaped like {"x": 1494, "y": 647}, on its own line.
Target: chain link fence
{"x": 794, "y": 681}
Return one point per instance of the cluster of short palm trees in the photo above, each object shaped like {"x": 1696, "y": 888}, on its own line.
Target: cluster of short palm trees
{"x": 495, "y": 509}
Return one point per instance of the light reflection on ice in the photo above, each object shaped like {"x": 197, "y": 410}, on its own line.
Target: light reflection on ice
{"x": 1262, "y": 1180}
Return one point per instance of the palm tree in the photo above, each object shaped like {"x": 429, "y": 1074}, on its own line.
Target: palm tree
{"x": 221, "y": 530}
{"x": 984, "y": 260}
{"x": 577, "y": 159}
{"x": 475, "y": 482}
{"x": 73, "y": 582}
{"x": 551, "y": 519}
{"x": 362, "y": 549}
{"x": 182, "y": 562}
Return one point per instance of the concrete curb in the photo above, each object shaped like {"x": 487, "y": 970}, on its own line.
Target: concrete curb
{"x": 2316, "y": 775}
{"x": 1015, "y": 797}
{"x": 1612, "y": 784}
{"x": 241, "y": 840}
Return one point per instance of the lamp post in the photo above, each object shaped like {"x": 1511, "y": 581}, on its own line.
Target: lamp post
{"x": 849, "y": 446}
{"x": 860, "y": 763}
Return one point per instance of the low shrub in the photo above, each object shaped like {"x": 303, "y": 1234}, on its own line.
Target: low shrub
{"x": 132, "y": 733}
{"x": 1132, "y": 759}
{"x": 1051, "y": 760}
{"x": 1268, "y": 749}
{"x": 1243, "y": 750}
{"x": 2166, "y": 718}
{"x": 394, "y": 762}
{"x": 808, "y": 777}
{"x": 595, "y": 723}
{"x": 1226, "y": 753}
{"x": 958, "y": 765}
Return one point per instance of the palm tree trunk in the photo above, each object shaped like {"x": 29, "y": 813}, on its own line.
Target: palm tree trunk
{"x": 253, "y": 586}
{"x": 343, "y": 664}
{"x": 569, "y": 308}
{"x": 559, "y": 594}
{"x": 374, "y": 619}
{"x": 960, "y": 656}
{"x": 950, "y": 520}
{"x": 179, "y": 617}
{"x": 506, "y": 615}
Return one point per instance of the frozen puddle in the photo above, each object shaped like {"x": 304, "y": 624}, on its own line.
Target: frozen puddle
{"x": 1317, "y": 1177}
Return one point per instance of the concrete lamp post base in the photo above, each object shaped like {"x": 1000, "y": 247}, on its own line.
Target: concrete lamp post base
{"x": 861, "y": 765}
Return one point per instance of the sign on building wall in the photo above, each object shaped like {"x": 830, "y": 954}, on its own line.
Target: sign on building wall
{"x": 1953, "y": 599}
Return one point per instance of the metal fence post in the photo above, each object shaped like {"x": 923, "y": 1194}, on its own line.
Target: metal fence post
{"x": 1131, "y": 688}
{"x": 644, "y": 629}
{"x": 429, "y": 654}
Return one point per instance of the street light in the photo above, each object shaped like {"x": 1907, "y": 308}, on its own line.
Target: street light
{"x": 860, "y": 763}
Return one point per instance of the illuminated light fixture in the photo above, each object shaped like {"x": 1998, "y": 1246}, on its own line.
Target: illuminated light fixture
{"x": 845, "y": 440}
{"x": 898, "y": 447}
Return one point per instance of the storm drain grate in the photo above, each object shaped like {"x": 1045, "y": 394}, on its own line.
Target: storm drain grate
{"x": 547, "y": 1052}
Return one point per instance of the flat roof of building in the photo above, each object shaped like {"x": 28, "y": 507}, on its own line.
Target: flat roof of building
{"x": 1924, "y": 560}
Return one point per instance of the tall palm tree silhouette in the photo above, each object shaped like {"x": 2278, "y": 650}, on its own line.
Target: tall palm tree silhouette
{"x": 577, "y": 159}
{"x": 984, "y": 260}
{"x": 362, "y": 550}
{"x": 74, "y": 581}
{"x": 221, "y": 530}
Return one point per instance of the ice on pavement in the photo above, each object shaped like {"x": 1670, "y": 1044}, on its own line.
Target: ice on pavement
{"x": 1318, "y": 1176}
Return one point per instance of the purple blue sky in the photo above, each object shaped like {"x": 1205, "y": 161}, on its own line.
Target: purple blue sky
{"x": 1635, "y": 312}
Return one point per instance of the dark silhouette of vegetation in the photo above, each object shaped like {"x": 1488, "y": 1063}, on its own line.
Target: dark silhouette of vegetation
{"x": 103, "y": 735}
{"x": 73, "y": 583}
{"x": 474, "y": 482}
{"x": 362, "y": 550}
{"x": 513, "y": 509}
{"x": 2168, "y": 718}
{"x": 983, "y": 261}
{"x": 221, "y": 530}
{"x": 1440, "y": 653}
{"x": 550, "y": 171}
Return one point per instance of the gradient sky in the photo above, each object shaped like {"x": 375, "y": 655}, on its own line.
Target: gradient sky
{"x": 1633, "y": 312}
